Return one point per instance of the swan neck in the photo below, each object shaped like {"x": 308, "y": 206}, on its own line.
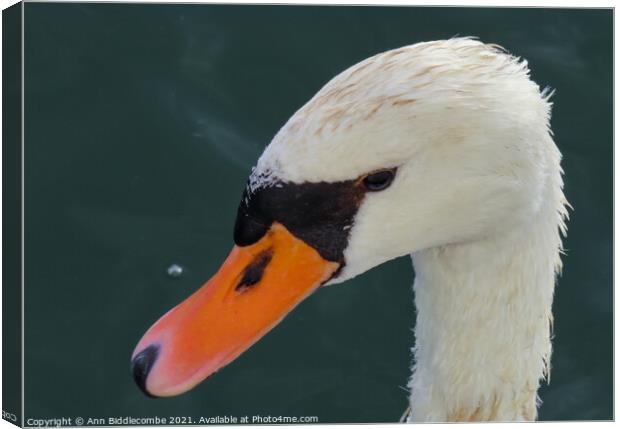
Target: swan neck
{"x": 483, "y": 325}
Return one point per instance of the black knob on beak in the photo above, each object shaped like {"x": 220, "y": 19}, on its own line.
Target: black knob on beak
{"x": 141, "y": 365}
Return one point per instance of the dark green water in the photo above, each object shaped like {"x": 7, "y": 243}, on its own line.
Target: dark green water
{"x": 142, "y": 123}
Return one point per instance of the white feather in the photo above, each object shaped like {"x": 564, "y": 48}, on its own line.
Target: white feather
{"x": 477, "y": 201}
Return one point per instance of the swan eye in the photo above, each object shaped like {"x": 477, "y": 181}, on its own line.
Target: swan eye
{"x": 379, "y": 180}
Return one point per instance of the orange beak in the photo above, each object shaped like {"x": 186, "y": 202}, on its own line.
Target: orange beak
{"x": 254, "y": 289}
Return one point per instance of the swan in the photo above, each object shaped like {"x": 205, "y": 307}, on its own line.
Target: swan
{"x": 441, "y": 150}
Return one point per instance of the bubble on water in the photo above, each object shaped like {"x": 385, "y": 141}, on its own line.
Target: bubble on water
{"x": 175, "y": 270}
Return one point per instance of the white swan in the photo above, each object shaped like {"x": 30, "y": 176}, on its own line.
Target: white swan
{"x": 441, "y": 150}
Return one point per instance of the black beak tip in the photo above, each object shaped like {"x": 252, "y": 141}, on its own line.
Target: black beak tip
{"x": 141, "y": 365}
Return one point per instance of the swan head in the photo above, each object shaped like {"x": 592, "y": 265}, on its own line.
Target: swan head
{"x": 459, "y": 123}
{"x": 431, "y": 144}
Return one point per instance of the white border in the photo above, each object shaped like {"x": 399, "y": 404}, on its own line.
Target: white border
{"x": 480, "y": 3}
